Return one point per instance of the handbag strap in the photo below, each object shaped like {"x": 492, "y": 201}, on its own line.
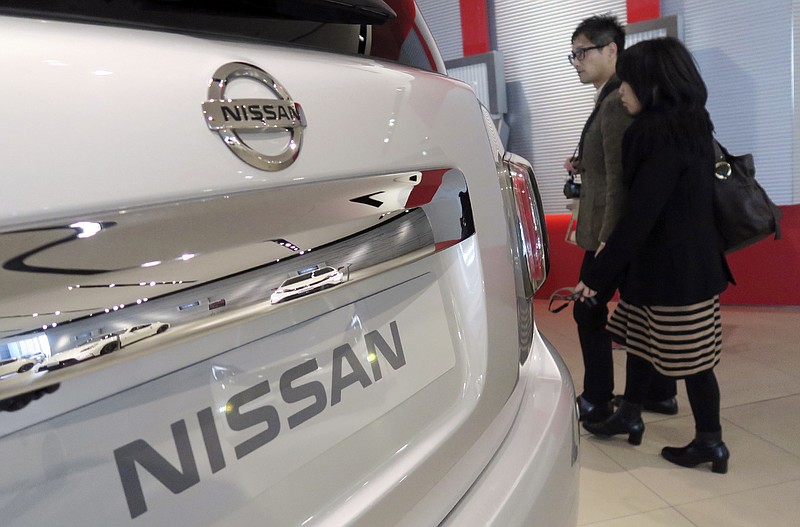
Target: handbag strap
{"x": 718, "y": 155}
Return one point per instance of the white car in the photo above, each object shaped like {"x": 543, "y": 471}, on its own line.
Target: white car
{"x": 18, "y": 365}
{"x": 306, "y": 282}
{"x": 89, "y": 350}
{"x": 140, "y": 331}
{"x": 170, "y": 162}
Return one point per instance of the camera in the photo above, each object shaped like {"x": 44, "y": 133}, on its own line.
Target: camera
{"x": 572, "y": 189}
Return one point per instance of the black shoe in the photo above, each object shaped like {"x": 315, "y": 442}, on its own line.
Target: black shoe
{"x": 593, "y": 413}
{"x": 705, "y": 448}
{"x": 626, "y": 420}
{"x": 666, "y": 407}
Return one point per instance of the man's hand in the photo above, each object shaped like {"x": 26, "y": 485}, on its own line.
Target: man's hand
{"x": 572, "y": 165}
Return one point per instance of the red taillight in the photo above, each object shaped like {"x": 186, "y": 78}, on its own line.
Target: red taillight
{"x": 528, "y": 240}
{"x": 532, "y": 237}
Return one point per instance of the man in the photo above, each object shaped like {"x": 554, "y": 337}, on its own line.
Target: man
{"x": 596, "y": 44}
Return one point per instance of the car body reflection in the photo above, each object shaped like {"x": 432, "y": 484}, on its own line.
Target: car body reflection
{"x": 89, "y": 350}
{"x": 104, "y": 345}
{"x": 307, "y": 282}
{"x": 19, "y": 365}
{"x": 136, "y": 333}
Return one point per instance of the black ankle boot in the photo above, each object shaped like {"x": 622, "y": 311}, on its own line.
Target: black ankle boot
{"x": 706, "y": 447}
{"x": 591, "y": 412}
{"x": 667, "y": 406}
{"x": 626, "y": 420}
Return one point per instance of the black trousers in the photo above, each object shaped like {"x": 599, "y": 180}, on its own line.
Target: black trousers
{"x": 702, "y": 389}
{"x": 595, "y": 340}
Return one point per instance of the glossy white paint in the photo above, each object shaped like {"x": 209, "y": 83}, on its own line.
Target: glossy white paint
{"x": 118, "y": 114}
{"x": 527, "y": 482}
{"x": 264, "y": 473}
{"x": 113, "y": 120}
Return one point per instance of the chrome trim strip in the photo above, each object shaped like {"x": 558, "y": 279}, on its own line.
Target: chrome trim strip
{"x": 68, "y": 284}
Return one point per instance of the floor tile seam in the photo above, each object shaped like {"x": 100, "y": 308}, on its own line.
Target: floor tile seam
{"x": 654, "y": 491}
{"x": 733, "y": 493}
{"x": 632, "y": 515}
{"x": 767, "y": 400}
{"x": 664, "y": 498}
{"x": 622, "y": 469}
{"x": 726, "y": 423}
{"x": 756, "y": 434}
{"x": 654, "y": 417}
{"x": 764, "y": 439}
{"x": 682, "y": 515}
{"x": 640, "y": 481}
{"x": 736, "y": 406}
{"x": 608, "y": 457}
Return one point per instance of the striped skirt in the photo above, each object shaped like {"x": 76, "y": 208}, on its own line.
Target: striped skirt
{"x": 677, "y": 340}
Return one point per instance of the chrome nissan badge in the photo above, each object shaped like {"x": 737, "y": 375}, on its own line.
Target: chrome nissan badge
{"x": 232, "y": 117}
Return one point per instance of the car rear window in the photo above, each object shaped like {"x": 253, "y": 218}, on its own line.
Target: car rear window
{"x": 237, "y": 19}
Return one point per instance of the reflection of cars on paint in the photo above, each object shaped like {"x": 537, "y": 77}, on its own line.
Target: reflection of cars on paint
{"x": 104, "y": 345}
{"x": 416, "y": 392}
{"x": 136, "y": 333}
{"x": 306, "y": 283}
{"x": 101, "y": 346}
{"x": 18, "y": 365}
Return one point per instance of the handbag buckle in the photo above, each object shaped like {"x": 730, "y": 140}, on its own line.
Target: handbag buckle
{"x": 722, "y": 170}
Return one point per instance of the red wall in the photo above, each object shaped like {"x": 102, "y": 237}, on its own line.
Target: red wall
{"x": 474, "y": 27}
{"x": 766, "y": 273}
{"x": 638, "y": 10}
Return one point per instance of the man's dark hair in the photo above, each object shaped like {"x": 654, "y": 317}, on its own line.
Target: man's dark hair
{"x": 602, "y": 30}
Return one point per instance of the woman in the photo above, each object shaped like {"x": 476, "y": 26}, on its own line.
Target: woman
{"x": 665, "y": 248}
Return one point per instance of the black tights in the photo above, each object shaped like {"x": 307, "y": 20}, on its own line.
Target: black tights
{"x": 598, "y": 364}
{"x": 702, "y": 389}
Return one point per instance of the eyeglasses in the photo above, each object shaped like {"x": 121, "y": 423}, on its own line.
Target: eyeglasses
{"x": 580, "y": 53}
{"x": 567, "y": 295}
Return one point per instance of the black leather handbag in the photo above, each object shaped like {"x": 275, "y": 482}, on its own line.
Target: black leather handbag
{"x": 743, "y": 211}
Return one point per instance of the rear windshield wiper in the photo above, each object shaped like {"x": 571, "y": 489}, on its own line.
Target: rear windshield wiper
{"x": 183, "y": 14}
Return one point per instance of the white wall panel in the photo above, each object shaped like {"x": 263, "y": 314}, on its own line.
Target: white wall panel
{"x": 745, "y": 53}
{"x": 547, "y": 104}
{"x": 444, "y": 20}
{"x": 795, "y": 171}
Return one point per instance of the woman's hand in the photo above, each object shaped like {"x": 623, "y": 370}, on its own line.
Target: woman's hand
{"x": 584, "y": 291}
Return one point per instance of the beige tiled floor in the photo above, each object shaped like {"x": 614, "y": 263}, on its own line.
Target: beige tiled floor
{"x": 759, "y": 376}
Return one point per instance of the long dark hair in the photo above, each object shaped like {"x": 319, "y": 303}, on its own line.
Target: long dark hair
{"x": 665, "y": 79}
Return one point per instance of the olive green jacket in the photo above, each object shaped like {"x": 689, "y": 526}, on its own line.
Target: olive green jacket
{"x": 602, "y": 192}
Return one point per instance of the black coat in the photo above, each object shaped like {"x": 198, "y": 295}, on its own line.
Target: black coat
{"x": 665, "y": 246}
